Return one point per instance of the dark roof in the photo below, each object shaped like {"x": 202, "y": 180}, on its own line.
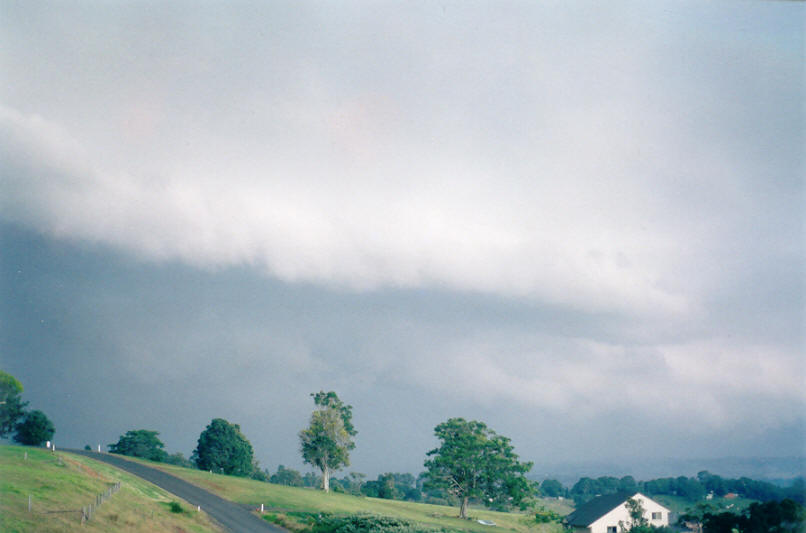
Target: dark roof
{"x": 590, "y": 512}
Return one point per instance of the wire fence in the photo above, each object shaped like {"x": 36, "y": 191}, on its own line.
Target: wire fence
{"x": 88, "y": 511}
{"x": 84, "y": 514}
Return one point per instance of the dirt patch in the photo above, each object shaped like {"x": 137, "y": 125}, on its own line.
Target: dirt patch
{"x": 83, "y": 468}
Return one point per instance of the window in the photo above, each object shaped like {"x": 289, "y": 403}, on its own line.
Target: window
{"x": 657, "y": 516}
{"x": 612, "y": 529}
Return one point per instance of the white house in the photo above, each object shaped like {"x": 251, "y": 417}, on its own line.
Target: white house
{"x": 609, "y": 514}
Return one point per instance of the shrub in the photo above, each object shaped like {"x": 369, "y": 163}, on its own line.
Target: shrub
{"x": 365, "y": 523}
{"x": 544, "y": 516}
{"x": 34, "y": 430}
{"x": 178, "y": 459}
{"x": 175, "y": 507}
{"x": 140, "y": 443}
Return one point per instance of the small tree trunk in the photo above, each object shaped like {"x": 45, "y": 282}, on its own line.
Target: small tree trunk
{"x": 463, "y": 508}
{"x": 326, "y": 479}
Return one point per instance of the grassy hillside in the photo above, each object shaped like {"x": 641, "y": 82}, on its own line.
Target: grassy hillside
{"x": 288, "y": 505}
{"x": 61, "y": 484}
{"x": 717, "y": 505}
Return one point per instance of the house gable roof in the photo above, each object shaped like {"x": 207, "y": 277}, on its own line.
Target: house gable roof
{"x": 590, "y": 512}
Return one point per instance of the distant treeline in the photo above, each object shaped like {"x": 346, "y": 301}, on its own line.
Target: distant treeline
{"x": 389, "y": 486}
{"x": 405, "y": 486}
{"x": 222, "y": 448}
{"x": 690, "y": 488}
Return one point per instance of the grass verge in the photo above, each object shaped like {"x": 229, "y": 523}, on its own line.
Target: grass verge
{"x": 61, "y": 484}
{"x": 292, "y": 507}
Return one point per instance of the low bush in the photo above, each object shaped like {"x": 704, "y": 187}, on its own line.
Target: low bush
{"x": 175, "y": 507}
{"x": 545, "y": 516}
{"x": 364, "y": 523}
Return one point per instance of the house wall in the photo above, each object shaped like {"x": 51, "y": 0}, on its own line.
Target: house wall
{"x": 621, "y": 514}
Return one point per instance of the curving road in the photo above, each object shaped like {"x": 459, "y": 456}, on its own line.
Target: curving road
{"x": 230, "y": 515}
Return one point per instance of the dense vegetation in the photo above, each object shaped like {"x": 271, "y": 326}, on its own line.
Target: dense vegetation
{"x": 471, "y": 465}
{"x": 768, "y": 517}
{"x": 364, "y": 523}
{"x": 32, "y": 428}
{"x": 140, "y": 443}
{"x": 35, "y": 429}
{"x": 223, "y": 448}
{"x": 12, "y": 408}
{"x": 692, "y": 489}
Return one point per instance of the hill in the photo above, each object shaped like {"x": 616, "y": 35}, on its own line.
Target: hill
{"x": 291, "y": 506}
{"x": 781, "y": 470}
{"x": 61, "y": 484}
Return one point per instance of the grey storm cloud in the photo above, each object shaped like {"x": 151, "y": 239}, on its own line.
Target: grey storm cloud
{"x": 599, "y": 211}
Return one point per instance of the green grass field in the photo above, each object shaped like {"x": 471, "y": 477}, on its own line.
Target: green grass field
{"x": 61, "y": 484}
{"x": 717, "y": 505}
{"x": 284, "y": 503}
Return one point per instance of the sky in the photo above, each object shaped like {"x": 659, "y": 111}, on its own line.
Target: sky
{"x": 582, "y": 224}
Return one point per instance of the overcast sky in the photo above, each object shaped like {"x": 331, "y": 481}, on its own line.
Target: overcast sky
{"x": 580, "y": 223}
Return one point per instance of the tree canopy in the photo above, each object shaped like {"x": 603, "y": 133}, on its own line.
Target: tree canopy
{"x": 34, "y": 430}
{"x": 636, "y": 511}
{"x": 140, "y": 443}
{"x": 223, "y": 448}
{"x": 692, "y": 489}
{"x": 12, "y": 408}
{"x": 785, "y": 516}
{"x": 552, "y": 488}
{"x": 472, "y": 461}
{"x": 327, "y": 441}
{"x": 287, "y": 476}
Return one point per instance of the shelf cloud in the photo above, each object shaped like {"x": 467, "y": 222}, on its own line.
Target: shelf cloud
{"x": 519, "y": 212}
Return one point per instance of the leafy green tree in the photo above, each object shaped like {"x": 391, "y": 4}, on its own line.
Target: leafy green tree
{"x": 12, "y": 408}
{"x": 354, "y": 481}
{"x": 584, "y": 490}
{"x": 689, "y": 488}
{"x": 406, "y": 487}
{"x": 34, "y": 430}
{"x": 636, "y": 511}
{"x": 775, "y": 517}
{"x": 223, "y": 448}
{"x": 786, "y": 516}
{"x": 712, "y": 483}
{"x": 140, "y": 443}
{"x": 287, "y": 476}
{"x": 179, "y": 460}
{"x": 627, "y": 484}
{"x": 552, "y": 488}
{"x": 309, "y": 479}
{"x": 472, "y": 461}
{"x": 328, "y": 439}
{"x": 258, "y": 473}
{"x": 384, "y": 487}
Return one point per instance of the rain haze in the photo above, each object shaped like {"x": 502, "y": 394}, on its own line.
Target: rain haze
{"x": 579, "y": 223}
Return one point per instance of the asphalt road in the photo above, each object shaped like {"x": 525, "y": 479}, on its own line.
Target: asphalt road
{"x": 230, "y": 515}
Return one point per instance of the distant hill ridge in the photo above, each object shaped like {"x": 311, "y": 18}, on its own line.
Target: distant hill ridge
{"x": 779, "y": 470}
